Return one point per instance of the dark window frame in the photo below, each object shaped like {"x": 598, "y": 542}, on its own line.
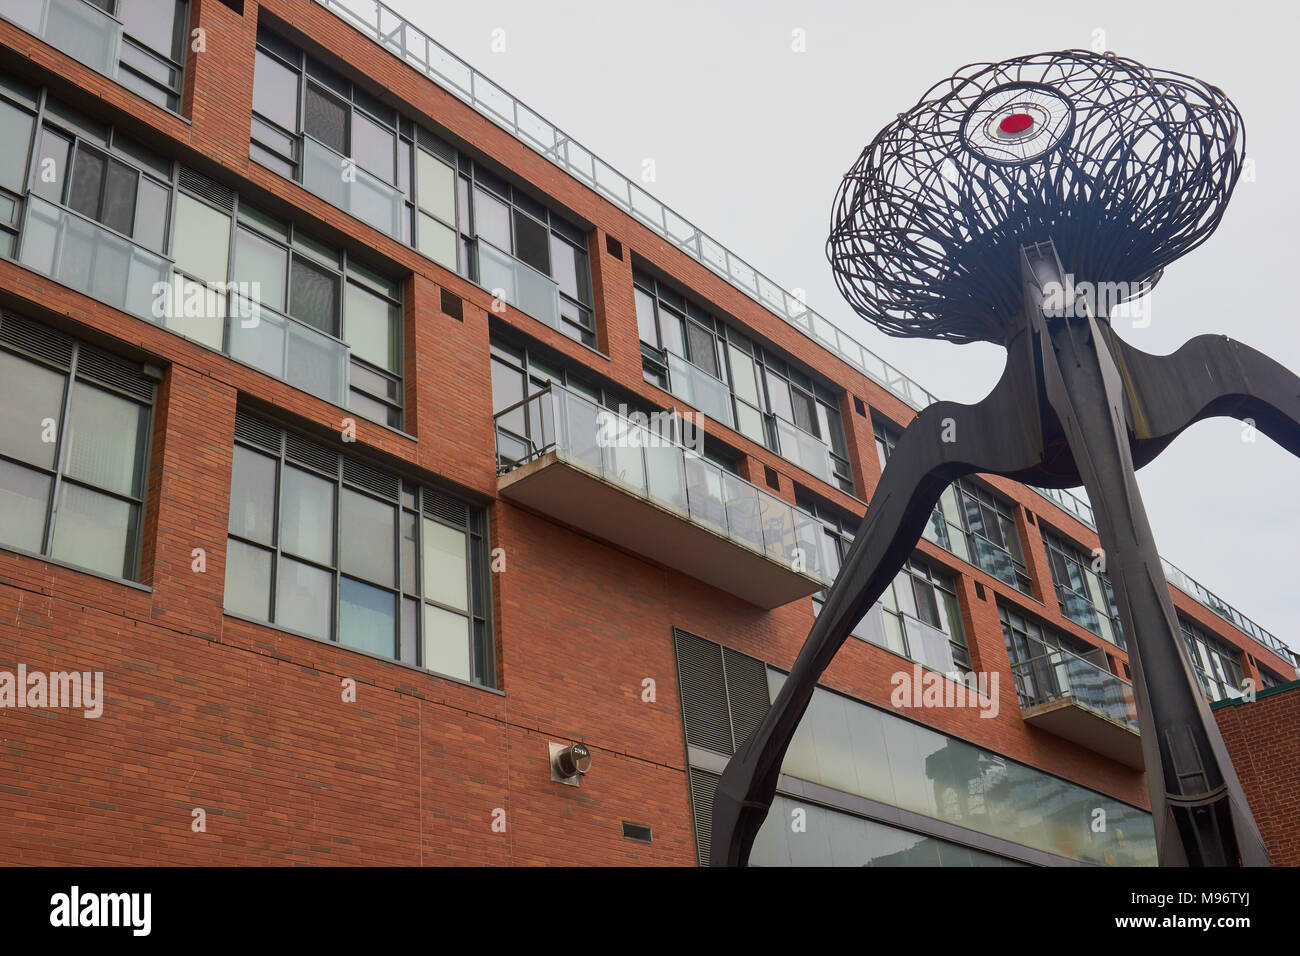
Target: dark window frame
{"x": 410, "y": 497}
{"x": 74, "y": 372}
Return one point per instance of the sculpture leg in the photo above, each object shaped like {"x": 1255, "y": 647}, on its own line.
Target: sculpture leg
{"x": 1199, "y": 810}
{"x": 981, "y": 438}
{"x": 1210, "y": 375}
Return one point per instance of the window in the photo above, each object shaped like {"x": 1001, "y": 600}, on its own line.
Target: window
{"x": 921, "y": 616}
{"x": 771, "y": 402}
{"x": 102, "y": 175}
{"x": 277, "y": 267}
{"x": 1216, "y": 662}
{"x": 155, "y": 36}
{"x": 398, "y": 163}
{"x": 74, "y": 443}
{"x": 1268, "y": 678}
{"x": 326, "y": 545}
{"x": 853, "y": 749}
{"x": 502, "y": 226}
{"x": 916, "y": 616}
{"x": 17, "y": 125}
{"x": 970, "y": 521}
{"x": 1085, "y": 596}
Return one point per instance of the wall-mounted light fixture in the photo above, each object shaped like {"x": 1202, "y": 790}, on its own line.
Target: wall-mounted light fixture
{"x": 569, "y": 762}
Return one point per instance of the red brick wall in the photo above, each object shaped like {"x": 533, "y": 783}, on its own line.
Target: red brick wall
{"x": 1263, "y": 737}
{"x": 204, "y": 711}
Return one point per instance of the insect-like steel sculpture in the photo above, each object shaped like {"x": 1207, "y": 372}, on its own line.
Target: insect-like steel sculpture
{"x": 978, "y": 215}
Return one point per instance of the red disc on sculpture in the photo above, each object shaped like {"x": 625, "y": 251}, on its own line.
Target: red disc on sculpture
{"x": 1016, "y": 123}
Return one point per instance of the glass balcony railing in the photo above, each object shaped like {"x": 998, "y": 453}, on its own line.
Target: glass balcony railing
{"x": 1078, "y": 608}
{"x": 698, "y": 388}
{"x": 424, "y": 54}
{"x": 96, "y": 261}
{"x": 651, "y": 467}
{"x": 286, "y": 349}
{"x": 518, "y": 283}
{"x": 342, "y": 183}
{"x": 1051, "y": 673}
{"x": 75, "y": 27}
{"x": 807, "y": 451}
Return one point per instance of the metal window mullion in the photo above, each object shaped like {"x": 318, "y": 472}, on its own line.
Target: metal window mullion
{"x": 275, "y": 530}
{"x": 489, "y": 634}
{"x": 60, "y": 454}
{"x": 336, "y": 552}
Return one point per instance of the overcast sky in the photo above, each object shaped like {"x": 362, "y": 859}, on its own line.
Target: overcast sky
{"x": 749, "y": 140}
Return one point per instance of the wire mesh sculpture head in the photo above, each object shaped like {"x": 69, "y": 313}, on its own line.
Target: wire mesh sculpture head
{"x": 1124, "y": 168}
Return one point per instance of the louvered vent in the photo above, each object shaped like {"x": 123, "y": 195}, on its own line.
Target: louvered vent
{"x": 309, "y": 453}
{"x": 257, "y": 432}
{"x": 746, "y": 693}
{"x": 372, "y": 479}
{"x": 113, "y": 371}
{"x": 704, "y": 693}
{"x": 703, "y": 787}
{"x": 36, "y": 339}
{"x": 205, "y": 188}
{"x": 445, "y": 507}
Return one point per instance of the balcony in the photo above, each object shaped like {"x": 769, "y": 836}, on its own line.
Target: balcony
{"x": 807, "y": 451}
{"x": 96, "y": 261}
{"x": 698, "y": 388}
{"x": 518, "y": 283}
{"x": 564, "y": 456}
{"x": 75, "y": 27}
{"x": 342, "y": 183}
{"x": 1079, "y": 700}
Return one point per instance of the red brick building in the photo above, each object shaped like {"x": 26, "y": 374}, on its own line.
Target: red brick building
{"x": 1261, "y": 737}
{"x": 329, "y": 375}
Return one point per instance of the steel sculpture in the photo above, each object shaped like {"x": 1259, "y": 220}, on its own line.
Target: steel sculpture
{"x": 978, "y": 215}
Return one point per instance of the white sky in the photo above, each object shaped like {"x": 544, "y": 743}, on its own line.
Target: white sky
{"x": 749, "y": 140}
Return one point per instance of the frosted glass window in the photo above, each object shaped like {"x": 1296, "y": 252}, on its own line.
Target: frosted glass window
{"x": 302, "y": 598}
{"x": 372, "y": 146}
{"x": 446, "y": 642}
{"x": 492, "y": 220}
{"x": 24, "y": 499}
{"x": 23, "y": 429}
{"x": 264, "y": 265}
{"x": 95, "y": 531}
{"x": 248, "y": 581}
{"x": 106, "y": 435}
{"x": 444, "y": 565}
{"x": 275, "y": 91}
{"x": 252, "y": 495}
{"x": 307, "y": 515}
{"x": 202, "y": 243}
{"x": 436, "y": 241}
{"x": 15, "y": 143}
{"x": 436, "y": 186}
{"x": 372, "y": 327}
